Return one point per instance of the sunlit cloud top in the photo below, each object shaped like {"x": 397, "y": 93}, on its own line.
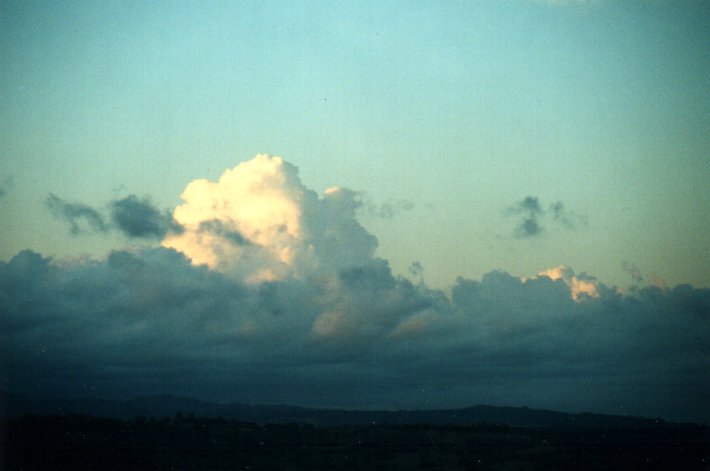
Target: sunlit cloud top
{"x": 259, "y": 222}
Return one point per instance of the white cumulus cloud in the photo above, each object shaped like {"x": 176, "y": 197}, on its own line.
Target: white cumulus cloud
{"x": 259, "y": 222}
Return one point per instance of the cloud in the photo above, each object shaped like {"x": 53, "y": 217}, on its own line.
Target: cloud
{"x": 657, "y": 281}
{"x": 132, "y": 216}
{"x": 149, "y": 321}
{"x": 390, "y": 208}
{"x": 580, "y": 286}
{"x": 336, "y": 327}
{"x": 632, "y": 270}
{"x": 568, "y": 219}
{"x": 137, "y": 217}
{"x": 530, "y": 208}
{"x": 416, "y": 269}
{"x": 653, "y": 279}
{"x": 530, "y": 205}
{"x": 533, "y": 215}
{"x": 280, "y": 227}
{"x": 80, "y": 217}
{"x": 217, "y": 227}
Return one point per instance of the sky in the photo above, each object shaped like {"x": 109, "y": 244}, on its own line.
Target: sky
{"x": 390, "y": 204}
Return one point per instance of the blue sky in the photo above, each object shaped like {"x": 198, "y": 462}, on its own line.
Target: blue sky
{"x": 461, "y": 108}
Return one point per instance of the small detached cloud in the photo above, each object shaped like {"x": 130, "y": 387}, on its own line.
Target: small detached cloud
{"x": 137, "y": 217}
{"x": 389, "y": 208}
{"x": 416, "y": 269}
{"x": 132, "y": 216}
{"x": 80, "y": 217}
{"x": 632, "y": 270}
{"x": 568, "y": 219}
{"x": 533, "y": 215}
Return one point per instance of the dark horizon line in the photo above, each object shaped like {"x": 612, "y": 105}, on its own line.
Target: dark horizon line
{"x": 166, "y": 405}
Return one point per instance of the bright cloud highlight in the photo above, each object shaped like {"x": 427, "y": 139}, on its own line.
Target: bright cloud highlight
{"x": 259, "y": 222}
{"x": 580, "y": 286}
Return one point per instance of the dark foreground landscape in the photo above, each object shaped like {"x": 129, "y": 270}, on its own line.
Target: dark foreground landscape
{"x": 296, "y": 438}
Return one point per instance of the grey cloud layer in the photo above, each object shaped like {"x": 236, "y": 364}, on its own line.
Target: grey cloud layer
{"x": 150, "y": 322}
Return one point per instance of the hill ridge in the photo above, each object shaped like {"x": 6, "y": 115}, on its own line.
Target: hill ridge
{"x": 167, "y": 405}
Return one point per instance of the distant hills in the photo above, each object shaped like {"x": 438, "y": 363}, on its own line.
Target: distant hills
{"x": 12, "y": 405}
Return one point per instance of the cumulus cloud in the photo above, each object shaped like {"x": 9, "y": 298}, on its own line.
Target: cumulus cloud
{"x": 533, "y": 214}
{"x": 333, "y": 326}
{"x": 580, "y": 286}
{"x": 80, "y": 217}
{"x": 259, "y": 222}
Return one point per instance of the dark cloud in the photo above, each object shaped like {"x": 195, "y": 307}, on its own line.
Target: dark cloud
{"x": 529, "y": 227}
{"x": 531, "y": 211}
{"x": 569, "y": 219}
{"x": 217, "y": 227}
{"x": 416, "y": 269}
{"x": 134, "y": 217}
{"x": 150, "y": 322}
{"x": 532, "y": 216}
{"x": 530, "y": 205}
{"x": 80, "y": 217}
{"x": 137, "y": 217}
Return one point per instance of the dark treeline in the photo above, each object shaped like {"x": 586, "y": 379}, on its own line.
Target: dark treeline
{"x": 189, "y": 442}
